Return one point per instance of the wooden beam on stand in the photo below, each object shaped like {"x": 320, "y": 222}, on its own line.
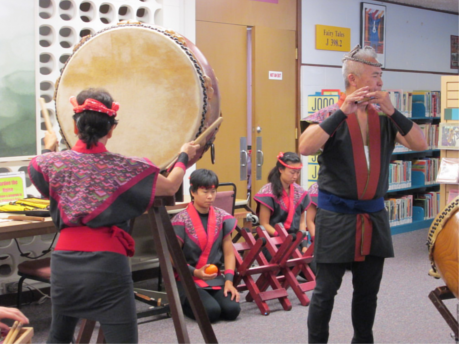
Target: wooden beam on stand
{"x": 167, "y": 247}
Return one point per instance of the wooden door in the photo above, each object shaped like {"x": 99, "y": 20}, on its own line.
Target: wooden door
{"x": 274, "y": 101}
{"x": 224, "y": 46}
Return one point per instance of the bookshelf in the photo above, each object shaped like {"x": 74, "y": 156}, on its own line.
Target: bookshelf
{"x": 449, "y": 102}
{"x": 413, "y": 198}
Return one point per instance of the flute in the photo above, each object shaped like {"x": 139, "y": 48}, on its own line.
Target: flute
{"x": 365, "y": 99}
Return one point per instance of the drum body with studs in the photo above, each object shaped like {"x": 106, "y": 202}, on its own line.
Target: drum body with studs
{"x": 168, "y": 93}
{"x": 443, "y": 246}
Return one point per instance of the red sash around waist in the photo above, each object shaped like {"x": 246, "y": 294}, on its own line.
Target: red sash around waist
{"x": 363, "y": 237}
{"x": 106, "y": 239}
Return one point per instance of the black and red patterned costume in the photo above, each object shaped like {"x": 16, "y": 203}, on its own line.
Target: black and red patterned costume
{"x": 93, "y": 194}
{"x": 202, "y": 237}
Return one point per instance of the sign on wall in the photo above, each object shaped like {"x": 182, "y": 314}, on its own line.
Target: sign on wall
{"x": 318, "y": 101}
{"x": 275, "y": 75}
{"x": 12, "y": 186}
{"x": 333, "y": 38}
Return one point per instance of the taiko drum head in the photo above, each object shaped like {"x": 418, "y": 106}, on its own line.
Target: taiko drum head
{"x": 167, "y": 93}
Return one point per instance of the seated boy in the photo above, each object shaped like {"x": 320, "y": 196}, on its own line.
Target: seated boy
{"x": 204, "y": 232}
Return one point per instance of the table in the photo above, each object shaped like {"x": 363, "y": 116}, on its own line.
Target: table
{"x": 15, "y": 229}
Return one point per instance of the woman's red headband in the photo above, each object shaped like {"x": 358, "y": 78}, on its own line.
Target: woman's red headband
{"x": 280, "y": 155}
{"x": 94, "y": 105}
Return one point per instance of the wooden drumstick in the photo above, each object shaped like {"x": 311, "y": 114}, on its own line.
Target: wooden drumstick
{"x": 12, "y": 330}
{"x": 46, "y": 115}
{"x": 15, "y": 334}
{"x": 27, "y": 218}
{"x": 201, "y": 137}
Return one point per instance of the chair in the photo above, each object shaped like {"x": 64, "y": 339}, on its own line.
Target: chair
{"x": 39, "y": 270}
{"x": 226, "y": 199}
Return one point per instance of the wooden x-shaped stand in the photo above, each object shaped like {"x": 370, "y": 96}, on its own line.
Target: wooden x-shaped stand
{"x": 167, "y": 246}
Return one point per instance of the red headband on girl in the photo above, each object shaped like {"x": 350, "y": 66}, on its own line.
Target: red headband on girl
{"x": 94, "y": 105}
{"x": 280, "y": 155}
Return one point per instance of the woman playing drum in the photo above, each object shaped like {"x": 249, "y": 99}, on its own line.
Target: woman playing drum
{"x": 93, "y": 194}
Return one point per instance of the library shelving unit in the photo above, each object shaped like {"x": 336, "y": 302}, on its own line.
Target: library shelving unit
{"x": 417, "y": 184}
{"x": 449, "y": 100}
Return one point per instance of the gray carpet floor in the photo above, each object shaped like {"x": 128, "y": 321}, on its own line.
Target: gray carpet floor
{"x": 405, "y": 315}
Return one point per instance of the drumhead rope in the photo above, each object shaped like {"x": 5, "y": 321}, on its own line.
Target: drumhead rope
{"x": 435, "y": 229}
{"x": 205, "y": 93}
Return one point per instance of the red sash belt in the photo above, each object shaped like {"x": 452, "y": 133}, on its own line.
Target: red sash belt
{"x": 363, "y": 236}
{"x": 105, "y": 239}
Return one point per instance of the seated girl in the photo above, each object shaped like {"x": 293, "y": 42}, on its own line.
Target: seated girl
{"x": 204, "y": 233}
{"x": 282, "y": 200}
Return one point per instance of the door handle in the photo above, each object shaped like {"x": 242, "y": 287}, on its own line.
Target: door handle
{"x": 259, "y": 159}
{"x": 243, "y": 159}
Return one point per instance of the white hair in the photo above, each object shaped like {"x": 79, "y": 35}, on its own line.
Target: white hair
{"x": 354, "y": 60}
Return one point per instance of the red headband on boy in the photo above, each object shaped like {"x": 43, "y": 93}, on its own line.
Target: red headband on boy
{"x": 94, "y": 105}
{"x": 280, "y": 155}
{"x": 204, "y": 186}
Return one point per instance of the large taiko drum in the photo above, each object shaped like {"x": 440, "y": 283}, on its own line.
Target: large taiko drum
{"x": 168, "y": 93}
{"x": 443, "y": 246}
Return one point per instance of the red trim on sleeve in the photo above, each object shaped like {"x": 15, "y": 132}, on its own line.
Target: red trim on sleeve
{"x": 180, "y": 165}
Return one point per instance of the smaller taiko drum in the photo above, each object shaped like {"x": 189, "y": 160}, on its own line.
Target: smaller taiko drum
{"x": 443, "y": 246}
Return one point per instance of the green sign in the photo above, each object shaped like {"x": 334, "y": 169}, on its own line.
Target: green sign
{"x": 12, "y": 187}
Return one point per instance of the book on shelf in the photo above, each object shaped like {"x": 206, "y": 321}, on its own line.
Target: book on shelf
{"x": 401, "y": 100}
{"x": 426, "y": 103}
{"x": 429, "y": 168}
{"x": 448, "y": 171}
{"x": 400, "y": 174}
{"x": 451, "y": 114}
{"x": 400, "y": 148}
{"x": 430, "y": 132}
{"x": 453, "y": 193}
{"x": 400, "y": 210}
{"x": 430, "y": 202}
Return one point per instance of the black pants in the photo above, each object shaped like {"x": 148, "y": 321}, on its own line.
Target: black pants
{"x": 63, "y": 328}
{"x": 366, "y": 283}
{"x": 216, "y": 304}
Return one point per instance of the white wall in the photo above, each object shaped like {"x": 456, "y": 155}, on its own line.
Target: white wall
{"x": 416, "y": 39}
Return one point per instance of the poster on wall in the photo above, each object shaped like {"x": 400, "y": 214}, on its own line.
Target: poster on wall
{"x": 448, "y": 136}
{"x": 18, "y": 133}
{"x": 453, "y": 52}
{"x": 373, "y": 19}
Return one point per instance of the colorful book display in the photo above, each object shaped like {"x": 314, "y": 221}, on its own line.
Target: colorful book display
{"x": 402, "y": 101}
{"x": 406, "y": 174}
{"x": 426, "y": 103}
{"x": 400, "y": 210}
